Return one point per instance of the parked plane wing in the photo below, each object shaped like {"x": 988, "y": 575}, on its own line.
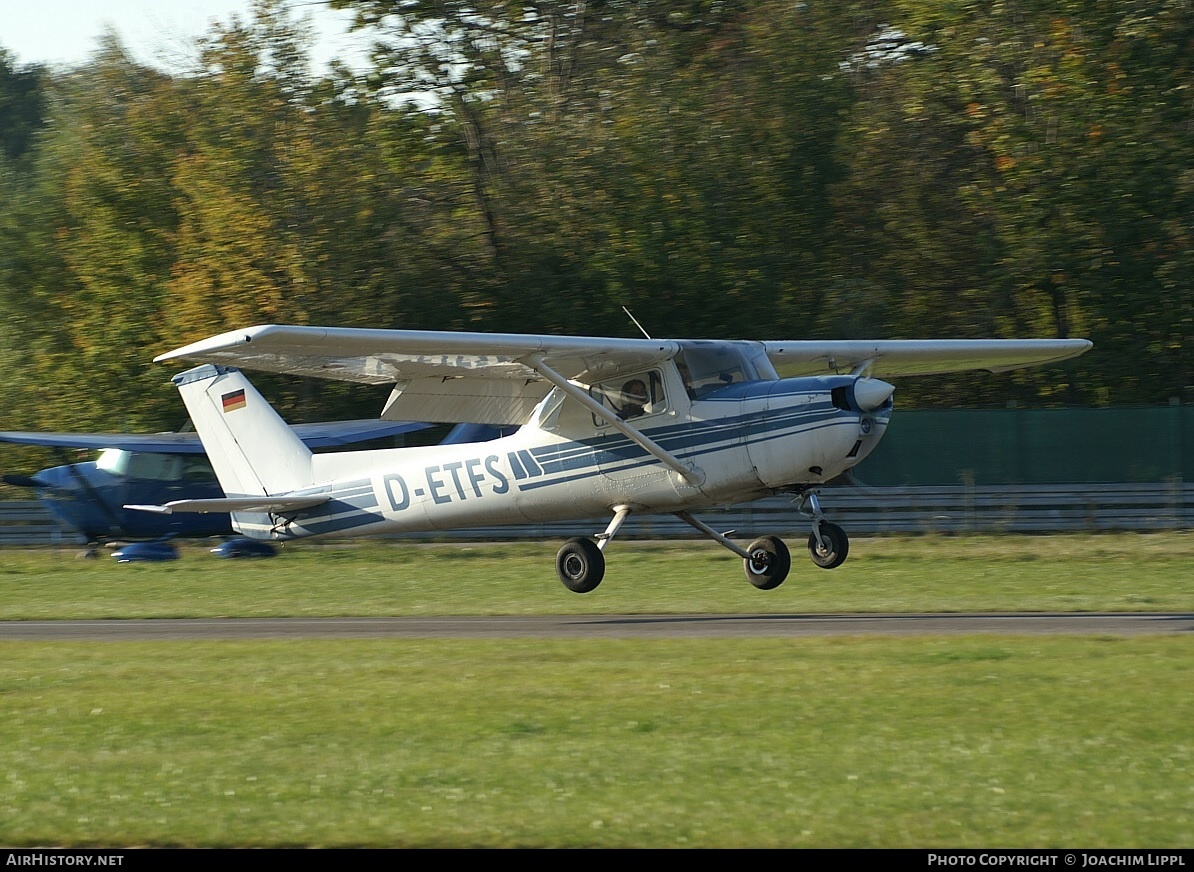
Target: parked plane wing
{"x": 327, "y": 434}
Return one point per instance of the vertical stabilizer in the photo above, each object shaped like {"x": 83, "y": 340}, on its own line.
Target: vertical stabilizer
{"x": 251, "y": 448}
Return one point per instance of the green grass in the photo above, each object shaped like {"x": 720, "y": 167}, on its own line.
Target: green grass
{"x": 823, "y": 742}
{"x": 978, "y": 741}
{"x": 930, "y": 574}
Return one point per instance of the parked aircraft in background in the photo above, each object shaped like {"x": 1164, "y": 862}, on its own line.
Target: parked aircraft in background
{"x": 90, "y": 496}
{"x": 609, "y": 427}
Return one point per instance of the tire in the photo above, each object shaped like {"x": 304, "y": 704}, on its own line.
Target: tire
{"x": 768, "y": 564}
{"x": 580, "y": 565}
{"x": 837, "y": 546}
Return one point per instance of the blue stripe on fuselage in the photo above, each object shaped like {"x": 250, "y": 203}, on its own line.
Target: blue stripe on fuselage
{"x": 618, "y": 454}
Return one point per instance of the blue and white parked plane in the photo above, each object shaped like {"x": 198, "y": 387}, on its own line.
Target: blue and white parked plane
{"x": 608, "y": 427}
{"x": 89, "y": 496}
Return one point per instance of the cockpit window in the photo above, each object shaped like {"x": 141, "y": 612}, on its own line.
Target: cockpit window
{"x": 631, "y": 397}
{"x": 710, "y": 366}
{"x": 160, "y": 467}
{"x": 197, "y": 469}
{"x": 113, "y": 460}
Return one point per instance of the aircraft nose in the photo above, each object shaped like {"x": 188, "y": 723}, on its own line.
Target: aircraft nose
{"x": 872, "y": 393}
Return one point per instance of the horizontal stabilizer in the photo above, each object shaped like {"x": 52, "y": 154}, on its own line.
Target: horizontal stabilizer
{"x": 237, "y": 504}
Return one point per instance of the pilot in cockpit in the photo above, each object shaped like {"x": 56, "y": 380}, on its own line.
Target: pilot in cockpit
{"x": 634, "y": 399}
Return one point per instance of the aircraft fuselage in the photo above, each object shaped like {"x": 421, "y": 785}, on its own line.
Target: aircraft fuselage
{"x": 746, "y": 440}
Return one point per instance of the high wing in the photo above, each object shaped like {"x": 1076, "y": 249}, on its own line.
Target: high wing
{"x": 909, "y": 357}
{"x": 328, "y": 434}
{"x": 481, "y": 378}
{"x": 494, "y": 378}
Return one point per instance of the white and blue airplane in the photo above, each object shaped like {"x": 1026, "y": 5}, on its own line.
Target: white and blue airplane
{"x": 606, "y": 427}
{"x": 88, "y": 496}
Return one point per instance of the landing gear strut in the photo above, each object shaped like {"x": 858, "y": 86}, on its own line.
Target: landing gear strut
{"x": 766, "y": 562}
{"x": 580, "y": 564}
{"x": 828, "y": 543}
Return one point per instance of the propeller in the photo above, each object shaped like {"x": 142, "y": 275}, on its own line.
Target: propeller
{"x": 872, "y": 393}
{"x": 26, "y": 481}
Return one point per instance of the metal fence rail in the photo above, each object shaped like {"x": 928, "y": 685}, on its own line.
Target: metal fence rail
{"x": 861, "y": 511}
{"x": 26, "y": 522}
{"x": 873, "y": 511}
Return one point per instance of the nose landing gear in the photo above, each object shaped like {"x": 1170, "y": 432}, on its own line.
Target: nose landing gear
{"x": 828, "y": 543}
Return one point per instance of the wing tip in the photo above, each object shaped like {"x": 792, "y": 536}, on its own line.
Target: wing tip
{"x": 219, "y": 342}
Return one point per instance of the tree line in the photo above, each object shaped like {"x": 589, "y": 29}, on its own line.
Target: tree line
{"x": 722, "y": 168}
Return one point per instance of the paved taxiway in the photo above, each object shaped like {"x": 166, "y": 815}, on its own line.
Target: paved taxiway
{"x": 595, "y": 626}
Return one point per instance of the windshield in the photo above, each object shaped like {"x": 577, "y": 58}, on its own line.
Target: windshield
{"x": 113, "y": 460}
{"x": 707, "y": 366}
{"x": 159, "y": 467}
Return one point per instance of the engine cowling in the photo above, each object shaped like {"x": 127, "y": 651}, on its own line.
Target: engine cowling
{"x": 809, "y": 430}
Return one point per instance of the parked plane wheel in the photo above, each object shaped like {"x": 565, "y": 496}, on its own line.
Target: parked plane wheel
{"x": 832, "y": 553}
{"x": 768, "y": 564}
{"x": 580, "y": 565}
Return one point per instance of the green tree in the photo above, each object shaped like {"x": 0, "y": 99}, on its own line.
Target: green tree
{"x": 22, "y": 105}
{"x": 93, "y": 254}
{"x": 1004, "y": 181}
{"x": 673, "y": 157}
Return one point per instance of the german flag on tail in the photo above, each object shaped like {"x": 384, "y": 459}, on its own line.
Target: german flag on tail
{"x": 234, "y": 401}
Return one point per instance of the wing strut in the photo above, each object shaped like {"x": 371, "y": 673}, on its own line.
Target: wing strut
{"x": 693, "y": 474}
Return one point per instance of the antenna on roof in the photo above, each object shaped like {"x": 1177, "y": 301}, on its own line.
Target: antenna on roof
{"x": 636, "y": 324}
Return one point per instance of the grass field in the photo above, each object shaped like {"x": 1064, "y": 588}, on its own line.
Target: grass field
{"x": 973, "y": 741}
{"x": 926, "y": 574}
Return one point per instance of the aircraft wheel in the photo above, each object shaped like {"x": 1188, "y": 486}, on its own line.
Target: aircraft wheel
{"x": 833, "y": 553}
{"x": 768, "y": 564}
{"x": 580, "y": 565}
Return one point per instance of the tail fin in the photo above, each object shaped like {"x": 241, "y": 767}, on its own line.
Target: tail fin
{"x": 253, "y": 451}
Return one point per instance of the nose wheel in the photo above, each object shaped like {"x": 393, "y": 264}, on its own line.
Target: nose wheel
{"x": 828, "y": 545}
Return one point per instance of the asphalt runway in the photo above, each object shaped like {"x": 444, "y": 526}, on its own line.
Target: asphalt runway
{"x": 596, "y": 627}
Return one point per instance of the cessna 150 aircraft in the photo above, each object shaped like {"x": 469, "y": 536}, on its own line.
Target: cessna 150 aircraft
{"x": 608, "y": 427}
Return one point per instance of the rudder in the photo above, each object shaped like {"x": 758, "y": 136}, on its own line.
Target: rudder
{"x": 252, "y": 450}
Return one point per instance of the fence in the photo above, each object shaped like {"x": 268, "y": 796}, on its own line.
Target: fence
{"x": 876, "y": 511}
{"x": 1033, "y": 447}
{"x": 26, "y": 522}
{"x": 860, "y": 510}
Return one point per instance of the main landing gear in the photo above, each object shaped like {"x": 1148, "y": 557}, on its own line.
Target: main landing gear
{"x": 580, "y": 563}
